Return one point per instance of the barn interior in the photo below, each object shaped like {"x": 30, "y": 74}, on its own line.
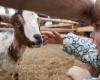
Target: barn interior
{"x": 50, "y": 62}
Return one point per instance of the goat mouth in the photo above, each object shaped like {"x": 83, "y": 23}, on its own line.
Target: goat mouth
{"x": 33, "y": 44}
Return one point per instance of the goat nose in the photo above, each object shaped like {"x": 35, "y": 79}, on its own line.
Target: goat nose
{"x": 37, "y": 36}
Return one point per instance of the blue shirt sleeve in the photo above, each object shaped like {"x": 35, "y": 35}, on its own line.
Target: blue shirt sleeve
{"x": 83, "y": 48}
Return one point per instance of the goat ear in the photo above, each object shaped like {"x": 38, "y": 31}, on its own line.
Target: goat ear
{"x": 5, "y": 18}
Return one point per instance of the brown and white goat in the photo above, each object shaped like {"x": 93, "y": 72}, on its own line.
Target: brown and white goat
{"x": 25, "y": 32}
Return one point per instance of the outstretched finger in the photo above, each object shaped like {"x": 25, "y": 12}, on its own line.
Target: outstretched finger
{"x": 48, "y": 33}
{"x": 57, "y": 35}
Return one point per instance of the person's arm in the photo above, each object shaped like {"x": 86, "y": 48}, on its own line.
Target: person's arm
{"x": 83, "y": 48}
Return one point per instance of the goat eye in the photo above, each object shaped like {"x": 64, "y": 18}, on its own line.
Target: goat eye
{"x": 17, "y": 22}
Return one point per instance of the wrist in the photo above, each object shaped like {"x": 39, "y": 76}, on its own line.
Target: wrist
{"x": 62, "y": 38}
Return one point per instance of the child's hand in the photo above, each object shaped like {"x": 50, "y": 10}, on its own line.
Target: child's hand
{"x": 58, "y": 38}
{"x": 77, "y": 73}
{"x": 48, "y": 35}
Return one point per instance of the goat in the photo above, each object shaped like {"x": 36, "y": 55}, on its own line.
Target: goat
{"x": 25, "y": 32}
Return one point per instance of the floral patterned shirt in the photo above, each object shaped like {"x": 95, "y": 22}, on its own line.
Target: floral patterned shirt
{"x": 83, "y": 48}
